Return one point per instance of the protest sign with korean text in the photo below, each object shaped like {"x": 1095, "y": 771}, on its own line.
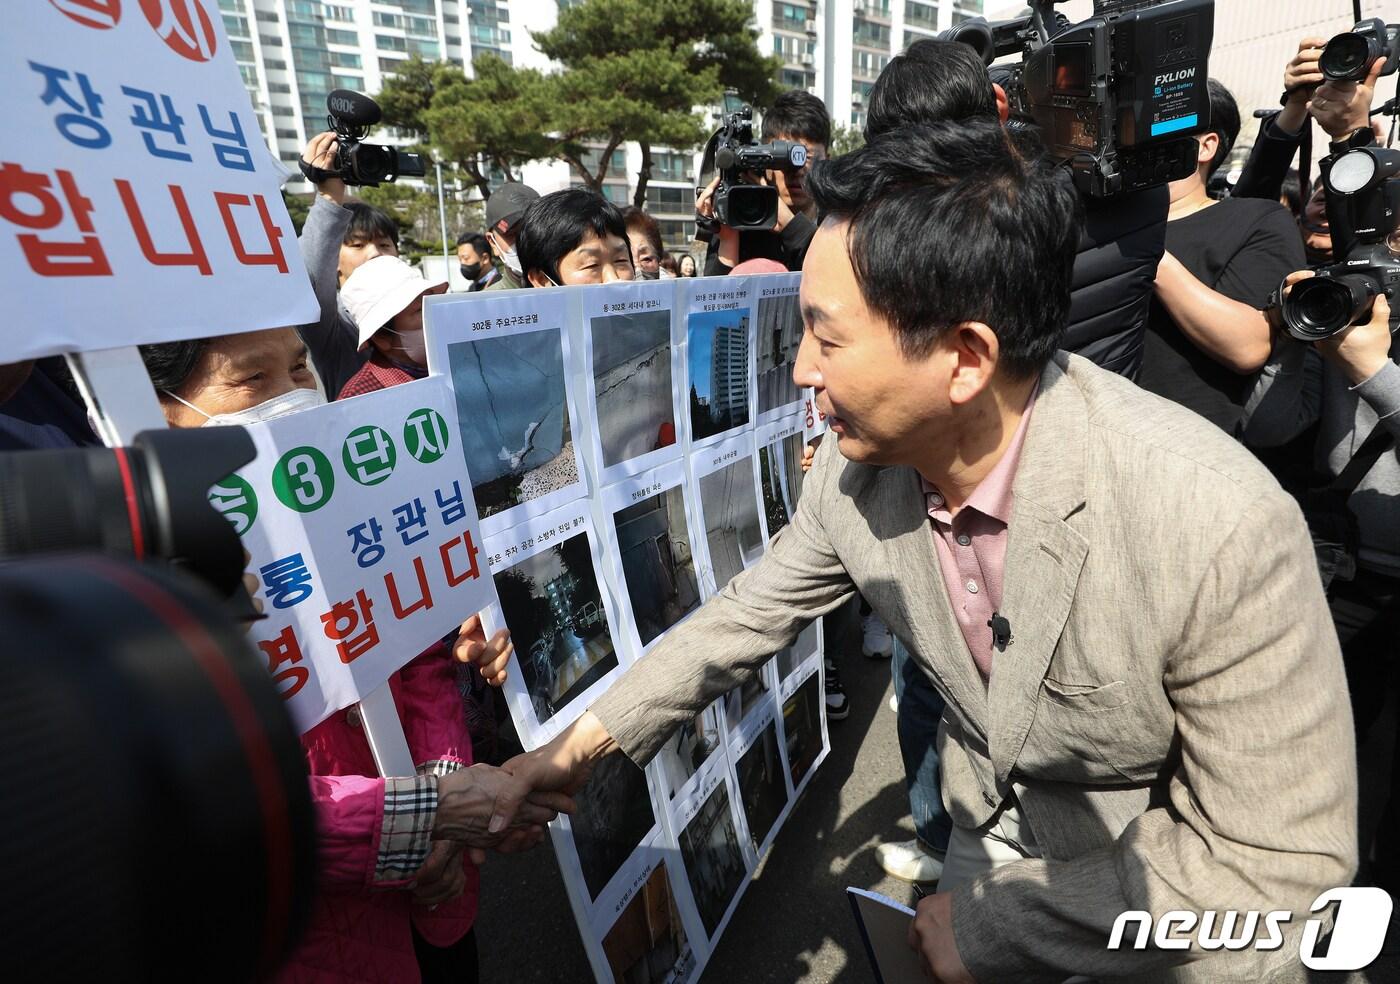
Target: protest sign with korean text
{"x": 364, "y": 539}
{"x": 138, "y": 202}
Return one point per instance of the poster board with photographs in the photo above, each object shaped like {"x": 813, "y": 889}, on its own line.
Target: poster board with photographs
{"x": 507, "y": 358}
{"x": 632, "y": 356}
{"x": 719, "y": 360}
{"x": 550, "y": 594}
{"x": 592, "y": 575}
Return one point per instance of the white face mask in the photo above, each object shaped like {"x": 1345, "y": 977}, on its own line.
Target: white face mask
{"x": 279, "y": 406}
{"x": 507, "y": 256}
{"x": 414, "y": 345}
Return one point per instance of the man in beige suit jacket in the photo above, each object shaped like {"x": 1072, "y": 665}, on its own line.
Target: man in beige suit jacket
{"x": 1168, "y": 727}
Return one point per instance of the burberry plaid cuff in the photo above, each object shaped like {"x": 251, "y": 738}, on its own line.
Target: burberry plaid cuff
{"x": 439, "y": 767}
{"x": 405, "y": 837}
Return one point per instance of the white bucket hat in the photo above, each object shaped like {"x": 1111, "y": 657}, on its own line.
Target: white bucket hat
{"x": 379, "y": 289}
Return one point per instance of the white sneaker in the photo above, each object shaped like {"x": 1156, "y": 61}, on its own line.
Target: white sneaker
{"x": 908, "y": 861}
{"x": 876, "y": 641}
{"x": 894, "y": 703}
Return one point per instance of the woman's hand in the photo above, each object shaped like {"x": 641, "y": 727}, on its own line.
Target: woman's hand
{"x": 489, "y": 656}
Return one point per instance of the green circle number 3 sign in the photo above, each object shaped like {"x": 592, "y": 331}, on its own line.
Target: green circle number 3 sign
{"x": 303, "y": 479}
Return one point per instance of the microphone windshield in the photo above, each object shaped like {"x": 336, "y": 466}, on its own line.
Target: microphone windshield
{"x": 353, "y": 108}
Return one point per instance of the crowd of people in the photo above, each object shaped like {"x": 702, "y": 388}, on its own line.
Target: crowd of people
{"x": 1127, "y": 673}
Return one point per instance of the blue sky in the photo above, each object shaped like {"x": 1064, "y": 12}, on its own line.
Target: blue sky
{"x": 700, "y": 331}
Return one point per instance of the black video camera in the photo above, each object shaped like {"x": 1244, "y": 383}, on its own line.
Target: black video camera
{"x": 1348, "y": 57}
{"x": 352, "y": 114}
{"x": 1363, "y": 192}
{"x": 1118, "y": 96}
{"x": 739, "y": 204}
{"x": 149, "y": 501}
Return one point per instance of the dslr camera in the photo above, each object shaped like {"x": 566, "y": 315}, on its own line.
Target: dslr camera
{"x": 351, "y": 116}
{"x": 739, "y": 204}
{"x": 1348, "y": 57}
{"x": 1363, "y": 192}
{"x": 1116, "y": 97}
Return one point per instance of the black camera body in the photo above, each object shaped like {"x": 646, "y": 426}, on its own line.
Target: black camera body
{"x": 351, "y": 115}
{"x": 1363, "y": 193}
{"x": 739, "y": 204}
{"x": 1348, "y": 57}
{"x": 1118, "y": 96}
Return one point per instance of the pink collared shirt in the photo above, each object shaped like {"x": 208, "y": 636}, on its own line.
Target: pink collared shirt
{"x": 971, "y": 546}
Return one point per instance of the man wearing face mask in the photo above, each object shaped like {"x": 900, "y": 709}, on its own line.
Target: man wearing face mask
{"x": 385, "y": 300}
{"x": 505, "y": 212}
{"x": 474, "y": 259}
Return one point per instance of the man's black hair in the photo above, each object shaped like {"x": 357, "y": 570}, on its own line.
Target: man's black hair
{"x": 169, "y": 364}
{"x": 476, "y": 241}
{"x": 368, "y": 223}
{"x": 950, "y": 223}
{"x": 931, "y": 82}
{"x": 556, "y": 223}
{"x": 798, "y": 115}
{"x": 1224, "y": 121}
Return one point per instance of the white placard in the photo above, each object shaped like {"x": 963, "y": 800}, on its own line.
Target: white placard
{"x": 506, "y": 356}
{"x": 778, "y": 317}
{"x": 633, "y": 364}
{"x": 561, "y": 620}
{"x": 651, "y": 532}
{"x": 360, "y": 523}
{"x": 719, "y": 344}
{"x": 138, "y": 202}
{"x": 726, "y": 487}
{"x": 813, "y": 420}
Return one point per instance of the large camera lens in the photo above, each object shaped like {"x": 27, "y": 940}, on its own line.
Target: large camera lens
{"x": 750, "y": 207}
{"x": 373, "y": 164}
{"x": 1324, "y": 305}
{"x": 158, "y": 789}
{"x": 1346, "y": 58}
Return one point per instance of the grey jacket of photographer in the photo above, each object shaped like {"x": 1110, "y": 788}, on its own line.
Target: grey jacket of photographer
{"x": 1171, "y": 714}
{"x": 330, "y": 340}
{"x": 1298, "y": 388}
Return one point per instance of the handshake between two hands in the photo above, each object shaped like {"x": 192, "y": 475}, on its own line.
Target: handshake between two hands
{"x": 505, "y": 809}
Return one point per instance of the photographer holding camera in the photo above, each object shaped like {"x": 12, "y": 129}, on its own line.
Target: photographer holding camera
{"x": 795, "y": 117}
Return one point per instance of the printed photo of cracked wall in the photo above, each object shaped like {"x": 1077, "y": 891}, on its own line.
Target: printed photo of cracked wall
{"x": 612, "y": 813}
{"x": 647, "y": 944}
{"x": 779, "y": 335}
{"x": 632, "y": 384}
{"x": 718, "y": 358}
{"x": 732, "y": 530}
{"x": 713, "y": 859}
{"x": 554, "y": 610}
{"x": 761, "y": 786}
{"x": 656, "y": 562}
{"x": 770, "y": 474}
{"x": 514, "y": 418}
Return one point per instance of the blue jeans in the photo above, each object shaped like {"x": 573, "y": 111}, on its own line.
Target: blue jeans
{"x": 920, "y": 710}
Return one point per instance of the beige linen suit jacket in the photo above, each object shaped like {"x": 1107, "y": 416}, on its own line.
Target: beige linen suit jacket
{"x": 1171, "y": 715}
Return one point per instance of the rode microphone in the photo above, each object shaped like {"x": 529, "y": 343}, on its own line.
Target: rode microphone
{"x": 353, "y": 108}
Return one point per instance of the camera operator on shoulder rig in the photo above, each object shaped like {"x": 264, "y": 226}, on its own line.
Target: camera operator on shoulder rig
{"x": 800, "y": 118}
{"x": 1333, "y": 368}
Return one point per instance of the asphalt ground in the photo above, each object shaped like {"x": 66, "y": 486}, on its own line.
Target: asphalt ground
{"x": 794, "y": 923}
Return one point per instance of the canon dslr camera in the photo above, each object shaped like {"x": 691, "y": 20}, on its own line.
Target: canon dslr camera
{"x": 1118, "y": 96}
{"x": 351, "y": 116}
{"x": 1363, "y": 189}
{"x": 1349, "y": 57}
{"x": 739, "y": 204}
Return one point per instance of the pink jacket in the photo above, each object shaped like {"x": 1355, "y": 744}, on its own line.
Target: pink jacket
{"x": 373, "y": 835}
